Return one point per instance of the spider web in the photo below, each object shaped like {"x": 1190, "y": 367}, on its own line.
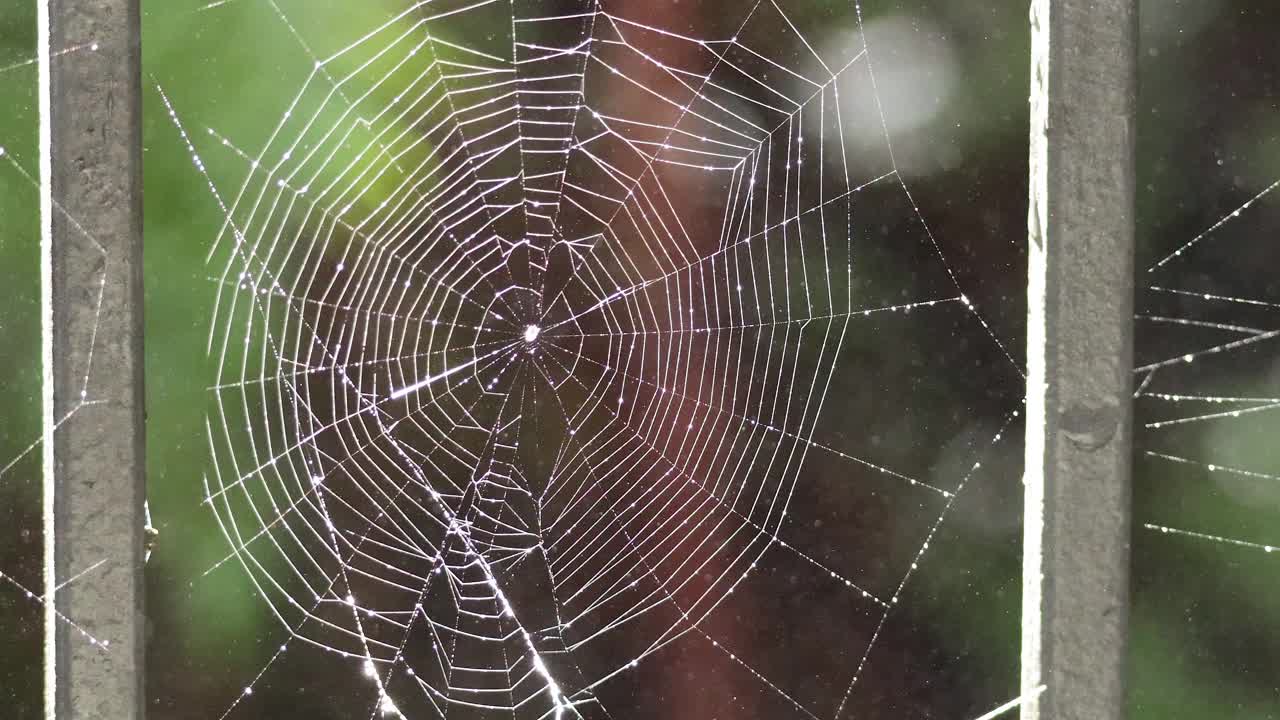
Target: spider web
{"x": 27, "y": 614}
{"x": 524, "y": 348}
{"x": 1241, "y": 330}
{"x": 82, "y": 400}
{"x": 1228, "y": 324}
{"x": 1205, "y": 406}
{"x": 1206, "y": 400}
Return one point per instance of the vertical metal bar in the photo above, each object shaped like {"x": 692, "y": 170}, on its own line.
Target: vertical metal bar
{"x": 1079, "y": 348}
{"x": 92, "y": 269}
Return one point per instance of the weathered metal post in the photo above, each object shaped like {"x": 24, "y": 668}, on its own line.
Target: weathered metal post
{"x": 1079, "y": 350}
{"x": 91, "y": 241}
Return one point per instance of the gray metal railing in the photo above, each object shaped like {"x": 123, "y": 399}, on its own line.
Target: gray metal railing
{"x": 93, "y": 465}
{"x": 1079, "y": 358}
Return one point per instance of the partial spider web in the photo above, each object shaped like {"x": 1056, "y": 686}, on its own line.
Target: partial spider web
{"x": 1206, "y": 401}
{"x": 559, "y": 358}
{"x": 26, "y": 426}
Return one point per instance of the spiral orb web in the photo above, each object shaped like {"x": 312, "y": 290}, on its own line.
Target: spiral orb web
{"x": 524, "y": 341}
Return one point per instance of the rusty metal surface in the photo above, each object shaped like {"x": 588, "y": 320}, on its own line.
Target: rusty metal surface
{"x": 95, "y": 138}
{"x": 1079, "y": 411}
